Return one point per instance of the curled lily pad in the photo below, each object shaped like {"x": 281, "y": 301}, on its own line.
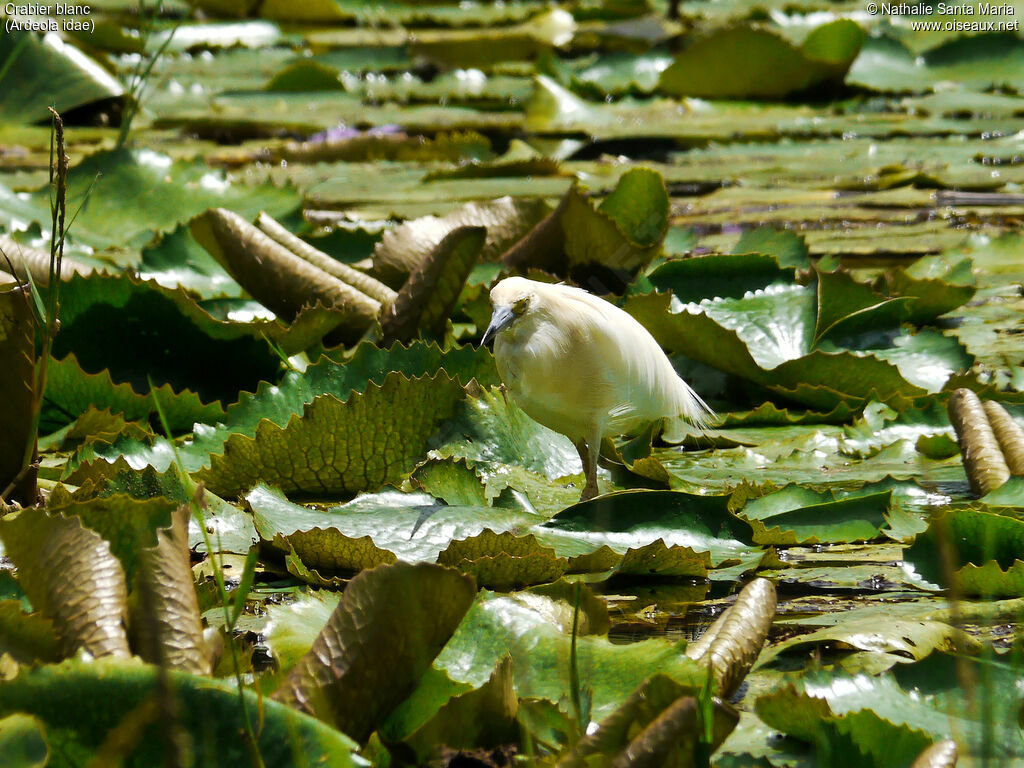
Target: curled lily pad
{"x": 983, "y": 457}
{"x": 731, "y": 645}
{"x": 281, "y": 280}
{"x": 18, "y": 390}
{"x": 429, "y": 294}
{"x": 358, "y": 280}
{"x": 618, "y": 236}
{"x": 941, "y": 754}
{"x": 27, "y": 260}
{"x": 169, "y": 630}
{"x": 658, "y": 724}
{"x": 1008, "y": 434}
{"x": 129, "y": 524}
{"x": 402, "y": 250}
{"x": 71, "y": 576}
{"x": 390, "y": 624}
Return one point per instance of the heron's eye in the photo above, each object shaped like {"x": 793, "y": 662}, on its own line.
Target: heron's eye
{"x": 520, "y": 306}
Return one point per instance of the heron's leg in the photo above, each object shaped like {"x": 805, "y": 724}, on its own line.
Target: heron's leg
{"x": 589, "y": 450}
{"x": 590, "y": 490}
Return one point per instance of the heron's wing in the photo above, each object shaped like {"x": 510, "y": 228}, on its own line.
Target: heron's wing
{"x": 645, "y": 385}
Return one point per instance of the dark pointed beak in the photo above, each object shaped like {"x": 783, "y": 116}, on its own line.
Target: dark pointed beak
{"x": 500, "y": 320}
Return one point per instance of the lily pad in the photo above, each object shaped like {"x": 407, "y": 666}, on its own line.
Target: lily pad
{"x": 376, "y": 528}
{"x": 528, "y": 625}
{"x": 626, "y": 521}
{"x": 43, "y": 71}
{"x": 797, "y": 515}
{"x": 745, "y": 62}
{"x": 128, "y": 196}
{"x": 986, "y": 548}
{"x": 210, "y": 715}
{"x": 191, "y": 342}
{"x": 767, "y": 337}
{"x": 327, "y": 444}
{"x": 351, "y": 653}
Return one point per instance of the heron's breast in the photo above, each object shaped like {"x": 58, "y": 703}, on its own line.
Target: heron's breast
{"x": 554, "y": 387}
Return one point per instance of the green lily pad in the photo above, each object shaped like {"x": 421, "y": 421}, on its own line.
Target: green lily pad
{"x": 327, "y": 447}
{"x": 163, "y": 336}
{"x": 718, "y": 275}
{"x": 812, "y": 459}
{"x": 71, "y": 390}
{"x": 788, "y": 247}
{"x": 279, "y": 401}
{"x": 504, "y": 560}
{"x": 44, "y": 71}
{"x": 620, "y": 73}
{"x": 128, "y": 196}
{"x": 853, "y": 738}
{"x": 797, "y": 515}
{"x": 767, "y": 337}
{"x": 535, "y": 631}
{"x": 696, "y": 527}
{"x": 904, "y": 638}
{"x": 452, "y": 481}
{"x": 23, "y": 742}
{"x": 716, "y": 65}
{"x": 481, "y": 718}
{"x": 925, "y": 696}
{"x": 178, "y": 260}
{"x": 973, "y": 61}
{"x": 376, "y": 528}
{"x": 490, "y": 429}
{"x": 987, "y": 551}
{"x": 229, "y": 529}
{"x": 210, "y": 715}
{"x": 27, "y": 637}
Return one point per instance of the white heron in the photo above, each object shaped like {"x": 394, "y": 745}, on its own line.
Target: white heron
{"x": 583, "y": 367}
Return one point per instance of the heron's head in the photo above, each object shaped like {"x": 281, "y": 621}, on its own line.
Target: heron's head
{"x": 511, "y": 299}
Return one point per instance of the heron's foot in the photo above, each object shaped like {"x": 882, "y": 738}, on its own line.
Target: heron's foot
{"x": 589, "y": 491}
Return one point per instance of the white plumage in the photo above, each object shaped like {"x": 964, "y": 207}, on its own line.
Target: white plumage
{"x": 583, "y": 367}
